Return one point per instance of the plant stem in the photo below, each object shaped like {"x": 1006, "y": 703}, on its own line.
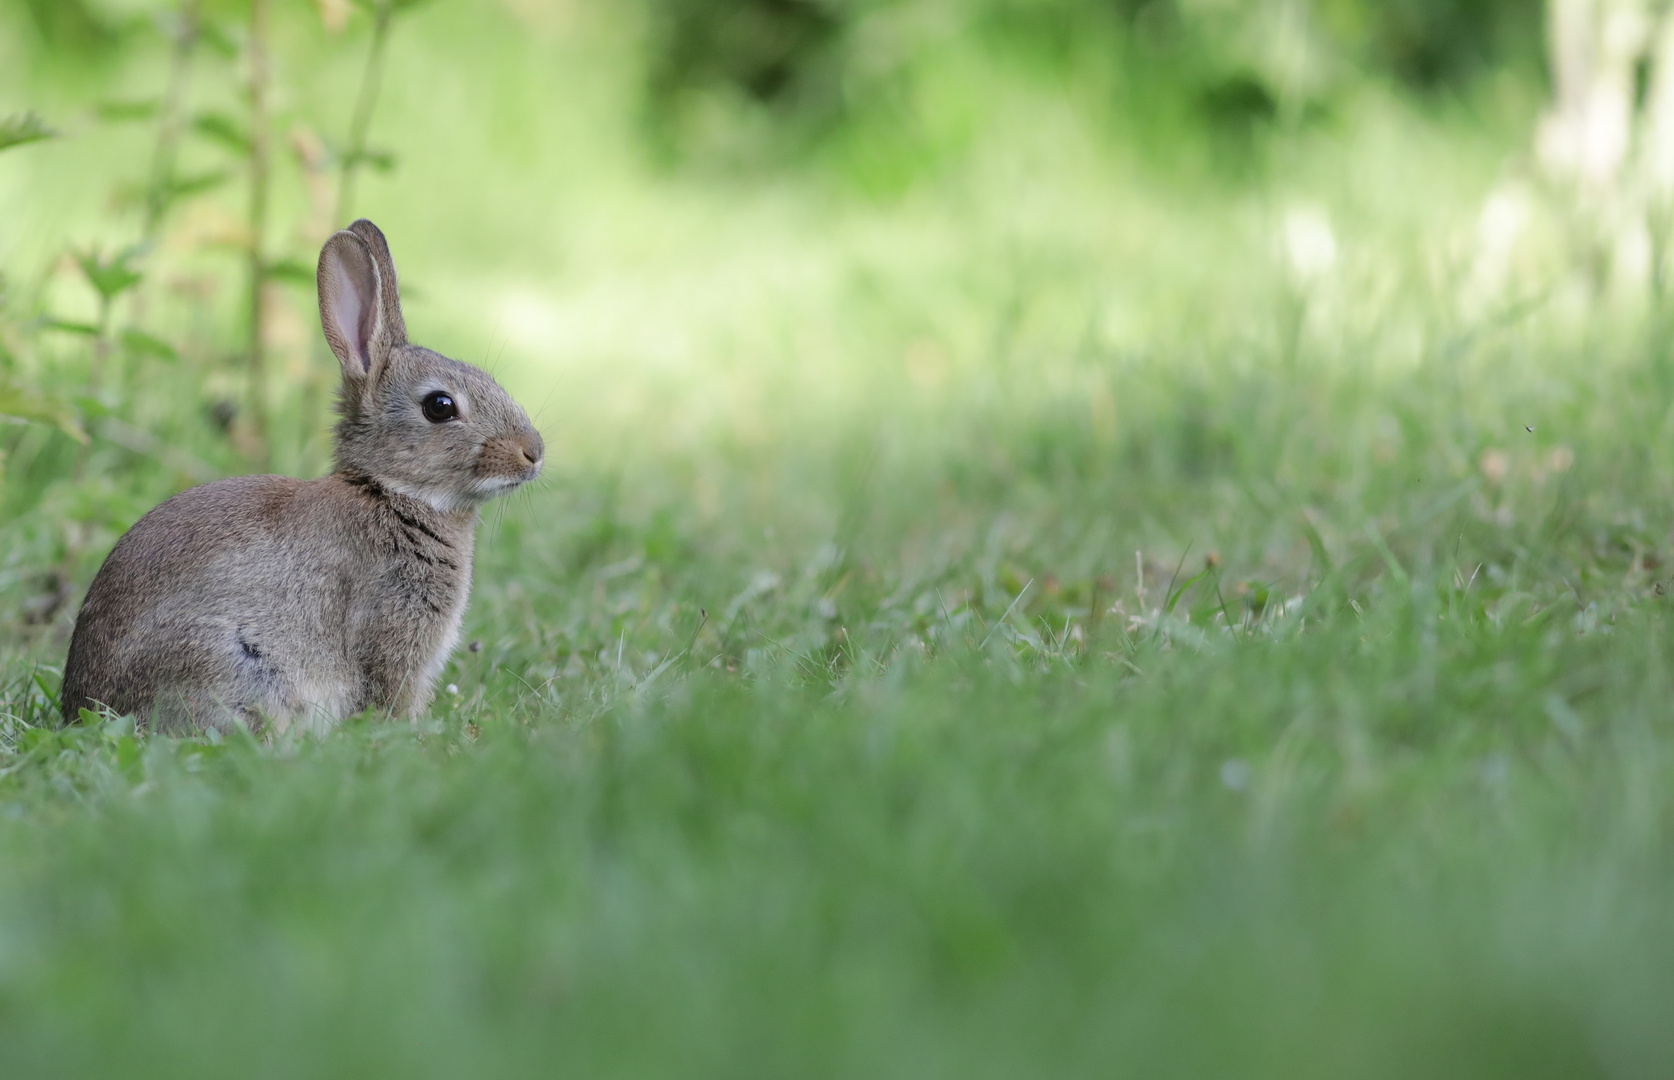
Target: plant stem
{"x": 101, "y": 349}
{"x": 1657, "y": 220}
{"x": 354, "y": 151}
{"x": 371, "y": 80}
{"x": 259, "y": 167}
{"x": 169, "y": 121}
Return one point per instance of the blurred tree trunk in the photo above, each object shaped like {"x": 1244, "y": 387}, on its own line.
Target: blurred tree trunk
{"x": 1607, "y": 140}
{"x": 1658, "y": 150}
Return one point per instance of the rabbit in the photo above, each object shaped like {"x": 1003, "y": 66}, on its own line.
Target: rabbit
{"x": 267, "y": 600}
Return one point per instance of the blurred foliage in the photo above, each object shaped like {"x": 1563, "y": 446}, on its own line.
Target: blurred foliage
{"x": 21, "y": 130}
{"x": 817, "y": 62}
{"x": 73, "y": 26}
{"x": 773, "y": 51}
{"x": 1438, "y": 44}
{"x": 22, "y": 400}
{"x": 193, "y": 79}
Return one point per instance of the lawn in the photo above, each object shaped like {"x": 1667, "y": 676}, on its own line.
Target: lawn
{"x": 1022, "y": 600}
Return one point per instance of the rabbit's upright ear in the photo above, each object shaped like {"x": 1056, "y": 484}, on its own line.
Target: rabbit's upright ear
{"x": 374, "y": 237}
{"x": 352, "y": 307}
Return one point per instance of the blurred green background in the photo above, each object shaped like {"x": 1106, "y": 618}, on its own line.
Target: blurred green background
{"x": 1080, "y": 537}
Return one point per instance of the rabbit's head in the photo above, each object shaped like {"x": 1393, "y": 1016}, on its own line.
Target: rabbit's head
{"x": 415, "y": 421}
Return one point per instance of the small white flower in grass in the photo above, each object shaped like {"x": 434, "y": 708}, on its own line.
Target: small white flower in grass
{"x": 453, "y": 688}
{"x": 1235, "y": 774}
{"x": 1310, "y": 245}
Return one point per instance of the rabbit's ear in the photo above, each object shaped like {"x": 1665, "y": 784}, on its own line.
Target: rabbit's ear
{"x": 352, "y": 307}
{"x": 393, "y": 322}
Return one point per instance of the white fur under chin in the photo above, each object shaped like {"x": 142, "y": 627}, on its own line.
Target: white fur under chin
{"x": 497, "y": 485}
{"x": 440, "y": 500}
{"x": 447, "y": 501}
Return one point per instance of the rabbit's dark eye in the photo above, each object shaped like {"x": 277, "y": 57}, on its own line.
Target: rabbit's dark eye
{"x": 438, "y": 407}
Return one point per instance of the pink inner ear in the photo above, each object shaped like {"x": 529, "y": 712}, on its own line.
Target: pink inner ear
{"x": 365, "y": 321}
{"x": 354, "y": 317}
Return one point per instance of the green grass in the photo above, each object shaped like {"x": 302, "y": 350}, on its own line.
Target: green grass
{"x": 1021, "y": 626}
{"x": 1409, "y": 844}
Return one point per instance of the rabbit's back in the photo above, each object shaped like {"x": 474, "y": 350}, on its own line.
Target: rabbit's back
{"x": 230, "y": 598}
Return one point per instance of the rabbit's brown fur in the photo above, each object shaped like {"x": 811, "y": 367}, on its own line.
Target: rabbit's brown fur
{"x": 269, "y": 598}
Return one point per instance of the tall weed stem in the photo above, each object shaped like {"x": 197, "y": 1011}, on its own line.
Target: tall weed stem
{"x": 371, "y": 81}
{"x": 160, "y": 190}
{"x": 260, "y": 168}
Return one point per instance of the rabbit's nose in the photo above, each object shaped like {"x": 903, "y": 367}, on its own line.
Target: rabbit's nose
{"x": 533, "y": 448}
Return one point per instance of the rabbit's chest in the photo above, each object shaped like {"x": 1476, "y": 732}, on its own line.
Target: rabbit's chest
{"x": 423, "y": 585}
{"x": 410, "y": 612}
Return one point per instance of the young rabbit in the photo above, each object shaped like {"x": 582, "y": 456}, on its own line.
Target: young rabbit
{"x": 268, "y": 599}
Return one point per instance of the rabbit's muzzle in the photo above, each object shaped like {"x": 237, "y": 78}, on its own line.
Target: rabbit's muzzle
{"x": 510, "y": 460}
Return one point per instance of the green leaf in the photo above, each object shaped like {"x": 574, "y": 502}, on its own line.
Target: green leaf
{"x": 67, "y": 327}
{"x": 291, "y": 271}
{"x": 91, "y": 407}
{"x": 118, "y": 112}
{"x": 221, "y": 128}
{"x": 1175, "y": 594}
{"x": 51, "y": 695}
{"x": 140, "y": 343}
{"x": 128, "y": 754}
{"x": 33, "y": 406}
{"x": 218, "y": 38}
{"x": 394, "y": 7}
{"x": 110, "y": 278}
{"x": 35, "y": 738}
{"x": 381, "y": 160}
{"x": 28, "y": 128}
{"x": 184, "y": 187}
